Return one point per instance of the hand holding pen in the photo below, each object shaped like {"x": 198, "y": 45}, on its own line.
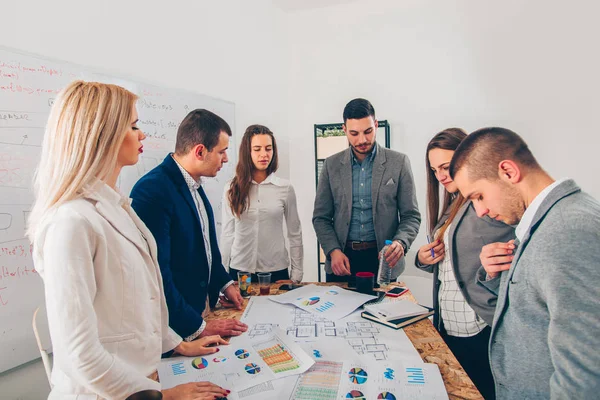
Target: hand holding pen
{"x": 431, "y": 253}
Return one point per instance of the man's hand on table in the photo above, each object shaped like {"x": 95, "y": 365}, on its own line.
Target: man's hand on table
{"x": 232, "y": 298}
{"x": 224, "y": 327}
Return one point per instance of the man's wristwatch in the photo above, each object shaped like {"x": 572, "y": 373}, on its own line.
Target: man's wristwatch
{"x": 401, "y": 244}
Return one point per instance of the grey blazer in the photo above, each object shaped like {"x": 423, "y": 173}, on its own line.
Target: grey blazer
{"x": 395, "y": 211}
{"x": 545, "y": 341}
{"x": 467, "y": 235}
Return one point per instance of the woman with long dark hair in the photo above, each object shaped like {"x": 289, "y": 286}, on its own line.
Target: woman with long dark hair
{"x": 255, "y": 205}
{"x": 464, "y": 309}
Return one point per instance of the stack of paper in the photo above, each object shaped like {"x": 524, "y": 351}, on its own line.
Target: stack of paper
{"x": 396, "y": 310}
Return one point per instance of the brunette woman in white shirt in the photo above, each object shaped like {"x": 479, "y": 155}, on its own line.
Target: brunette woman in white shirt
{"x": 255, "y": 205}
{"x": 106, "y": 308}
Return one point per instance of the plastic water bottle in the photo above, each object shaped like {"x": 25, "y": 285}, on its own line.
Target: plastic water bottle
{"x": 385, "y": 272}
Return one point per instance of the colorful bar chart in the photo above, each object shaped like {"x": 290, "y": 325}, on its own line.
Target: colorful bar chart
{"x": 415, "y": 376}
{"x": 320, "y": 382}
{"x": 278, "y": 358}
{"x": 325, "y": 306}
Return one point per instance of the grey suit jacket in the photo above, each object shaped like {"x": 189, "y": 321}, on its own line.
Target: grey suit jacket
{"x": 467, "y": 235}
{"x": 545, "y": 339}
{"x": 395, "y": 210}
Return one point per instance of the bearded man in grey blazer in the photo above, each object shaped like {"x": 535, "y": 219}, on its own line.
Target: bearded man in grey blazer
{"x": 545, "y": 335}
{"x": 365, "y": 196}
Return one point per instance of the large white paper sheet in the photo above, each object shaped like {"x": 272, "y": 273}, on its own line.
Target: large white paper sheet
{"x": 331, "y": 302}
{"x": 366, "y": 338}
{"x": 240, "y": 365}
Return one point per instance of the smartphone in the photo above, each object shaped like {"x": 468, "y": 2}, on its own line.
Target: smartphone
{"x": 397, "y": 291}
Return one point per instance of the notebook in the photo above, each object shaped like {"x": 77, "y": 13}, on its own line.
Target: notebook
{"x": 397, "y": 323}
{"x": 395, "y": 310}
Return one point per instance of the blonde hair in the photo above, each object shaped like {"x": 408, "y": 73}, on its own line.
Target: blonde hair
{"x": 84, "y": 133}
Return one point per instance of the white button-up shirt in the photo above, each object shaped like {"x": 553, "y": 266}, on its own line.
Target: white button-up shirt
{"x": 256, "y": 242}
{"x": 529, "y": 213}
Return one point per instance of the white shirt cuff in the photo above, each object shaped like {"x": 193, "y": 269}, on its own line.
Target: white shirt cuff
{"x": 226, "y": 286}
{"x": 197, "y": 333}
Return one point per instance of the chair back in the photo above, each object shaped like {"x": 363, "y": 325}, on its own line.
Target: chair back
{"x": 43, "y": 351}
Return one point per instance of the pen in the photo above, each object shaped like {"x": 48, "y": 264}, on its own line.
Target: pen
{"x": 432, "y": 252}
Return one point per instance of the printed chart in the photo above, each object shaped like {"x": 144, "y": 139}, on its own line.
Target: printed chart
{"x": 278, "y": 358}
{"x": 320, "y": 382}
{"x": 391, "y": 380}
{"x": 356, "y": 395}
{"x": 200, "y": 363}
{"x": 358, "y": 376}
{"x": 331, "y": 302}
{"x": 240, "y": 365}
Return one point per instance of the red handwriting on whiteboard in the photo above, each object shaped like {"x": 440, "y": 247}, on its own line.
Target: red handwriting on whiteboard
{"x": 2, "y": 302}
{"x": 148, "y": 93}
{"x": 7, "y": 273}
{"x": 41, "y": 69}
{"x": 15, "y": 88}
{"x": 8, "y": 74}
{"x": 144, "y": 103}
{"x": 10, "y": 170}
{"x": 18, "y": 250}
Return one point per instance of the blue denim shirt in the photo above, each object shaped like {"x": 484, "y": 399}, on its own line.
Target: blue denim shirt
{"x": 361, "y": 222}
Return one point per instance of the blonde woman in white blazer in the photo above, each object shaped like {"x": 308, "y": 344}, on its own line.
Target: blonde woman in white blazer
{"x": 106, "y": 308}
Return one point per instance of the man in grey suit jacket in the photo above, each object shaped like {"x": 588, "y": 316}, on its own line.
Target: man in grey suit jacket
{"x": 365, "y": 196}
{"x": 544, "y": 341}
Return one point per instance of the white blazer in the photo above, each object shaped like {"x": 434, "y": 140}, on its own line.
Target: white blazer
{"x": 104, "y": 294}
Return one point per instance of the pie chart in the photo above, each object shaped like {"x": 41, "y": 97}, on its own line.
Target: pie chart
{"x": 386, "y": 396}
{"x": 252, "y": 368}
{"x": 219, "y": 359}
{"x": 311, "y": 301}
{"x": 241, "y": 354}
{"x": 357, "y": 375}
{"x": 199, "y": 363}
{"x": 355, "y": 394}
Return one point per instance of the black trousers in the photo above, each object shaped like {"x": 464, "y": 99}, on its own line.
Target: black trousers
{"x": 360, "y": 261}
{"x": 472, "y": 354}
{"x": 275, "y": 275}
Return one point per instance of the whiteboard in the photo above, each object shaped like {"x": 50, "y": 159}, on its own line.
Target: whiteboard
{"x": 28, "y": 86}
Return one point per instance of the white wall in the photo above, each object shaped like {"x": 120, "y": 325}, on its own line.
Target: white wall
{"x": 230, "y": 50}
{"x": 426, "y": 65}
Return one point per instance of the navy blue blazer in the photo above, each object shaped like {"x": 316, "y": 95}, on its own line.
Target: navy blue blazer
{"x": 162, "y": 199}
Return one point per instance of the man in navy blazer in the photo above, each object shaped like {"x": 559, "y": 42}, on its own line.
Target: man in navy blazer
{"x": 171, "y": 202}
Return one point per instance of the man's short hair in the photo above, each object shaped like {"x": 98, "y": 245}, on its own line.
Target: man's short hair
{"x": 358, "y": 109}
{"x": 200, "y": 127}
{"x": 482, "y": 151}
